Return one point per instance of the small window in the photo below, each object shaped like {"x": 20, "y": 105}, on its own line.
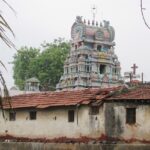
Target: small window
{"x": 79, "y": 44}
{"x": 102, "y": 69}
{"x": 131, "y": 115}
{"x": 76, "y": 68}
{"x": 94, "y": 110}
{"x": 106, "y": 47}
{"x": 71, "y": 116}
{"x": 99, "y": 48}
{"x": 114, "y": 70}
{"x": 12, "y": 116}
{"x": 89, "y": 45}
{"x": 76, "y": 46}
{"x": 32, "y": 115}
{"x": 87, "y": 68}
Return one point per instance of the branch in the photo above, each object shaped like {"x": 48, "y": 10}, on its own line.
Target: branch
{"x": 143, "y": 17}
{"x": 4, "y": 26}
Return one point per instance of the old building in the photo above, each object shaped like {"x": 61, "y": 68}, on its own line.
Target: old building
{"x": 90, "y": 101}
{"x": 46, "y": 114}
{"x": 119, "y": 113}
{"x": 128, "y": 114}
{"x": 32, "y": 84}
{"x": 92, "y": 61}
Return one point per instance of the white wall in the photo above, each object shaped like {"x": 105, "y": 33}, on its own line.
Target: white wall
{"x": 88, "y": 125}
{"x": 46, "y": 126}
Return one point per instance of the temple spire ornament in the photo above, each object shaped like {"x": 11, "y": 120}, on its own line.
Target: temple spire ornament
{"x": 94, "y": 11}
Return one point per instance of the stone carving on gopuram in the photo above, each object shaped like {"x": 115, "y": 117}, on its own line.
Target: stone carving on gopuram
{"x": 91, "y": 62}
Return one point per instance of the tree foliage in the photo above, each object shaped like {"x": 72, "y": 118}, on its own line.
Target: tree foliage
{"x": 21, "y": 63}
{"x": 46, "y": 65}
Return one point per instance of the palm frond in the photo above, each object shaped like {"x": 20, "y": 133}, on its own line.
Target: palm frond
{"x": 2, "y": 64}
{"x": 143, "y": 17}
{"x": 6, "y": 98}
{"x": 4, "y": 27}
{"x": 9, "y": 6}
{"x": 6, "y": 40}
{"x": 4, "y": 23}
{"x": 1, "y": 105}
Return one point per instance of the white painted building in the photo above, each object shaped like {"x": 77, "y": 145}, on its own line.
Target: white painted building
{"x": 93, "y": 113}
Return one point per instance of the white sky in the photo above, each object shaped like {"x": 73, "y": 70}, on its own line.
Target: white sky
{"x": 44, "y": 20}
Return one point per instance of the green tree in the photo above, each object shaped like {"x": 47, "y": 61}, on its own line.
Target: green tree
{"x": 47, "y": 66}
{"x": 21, "y": 63}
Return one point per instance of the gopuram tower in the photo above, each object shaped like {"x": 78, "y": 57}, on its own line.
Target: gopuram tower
{"x": 91, "y": 62}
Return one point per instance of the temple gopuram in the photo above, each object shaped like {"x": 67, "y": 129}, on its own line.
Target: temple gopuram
{"x": 92, "y": 62}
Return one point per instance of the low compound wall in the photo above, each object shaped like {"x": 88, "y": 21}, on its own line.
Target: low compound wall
{"x": 77, "y": 146}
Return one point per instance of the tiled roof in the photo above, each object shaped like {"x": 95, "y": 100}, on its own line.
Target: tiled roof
{"x": 63, "y": 98}
{"x": 142, "y": 93}
{"x": 69, "y": 98}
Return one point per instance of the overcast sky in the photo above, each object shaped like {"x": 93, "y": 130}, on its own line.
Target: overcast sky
{"x": 36, "y": 21}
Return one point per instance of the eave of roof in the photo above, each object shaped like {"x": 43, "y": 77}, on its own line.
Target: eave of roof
{"x": 82, "y": 97}
{"x": 62, "y": 98}
{"x": 140, "y": 93}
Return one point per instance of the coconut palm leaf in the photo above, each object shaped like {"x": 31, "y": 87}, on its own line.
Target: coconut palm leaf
{"x": 6, "y": 96}
{"x": 4, "y": 27}
{"x": 1, "y": 105}
{"x": 2, "y": 64}
{"x": 9, "y": 6}
{"x": 4, "y": 23}
{"x": 143, "y": 17}
{"x": 5, "y": 39}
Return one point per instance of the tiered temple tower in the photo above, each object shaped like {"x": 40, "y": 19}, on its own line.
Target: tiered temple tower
{"x": 92, "y": 62}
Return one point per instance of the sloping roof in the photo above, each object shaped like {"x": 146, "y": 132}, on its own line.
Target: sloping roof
{"x": 141, "y": 93}
{"x": 63, "y": 98}
{"x": 33, "y": 80}
{"x": 14, "y": 88}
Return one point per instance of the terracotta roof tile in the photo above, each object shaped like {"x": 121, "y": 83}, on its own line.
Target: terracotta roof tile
{"x": 63, "y": 98}
{"x": 133, "y": 94}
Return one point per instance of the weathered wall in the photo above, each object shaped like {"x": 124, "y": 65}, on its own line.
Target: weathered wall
{"x": 53, "y": 123}
{"x": 96, "y": 124}
{"x": 115, "y": 121}
{"x": 53, "y": 146}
